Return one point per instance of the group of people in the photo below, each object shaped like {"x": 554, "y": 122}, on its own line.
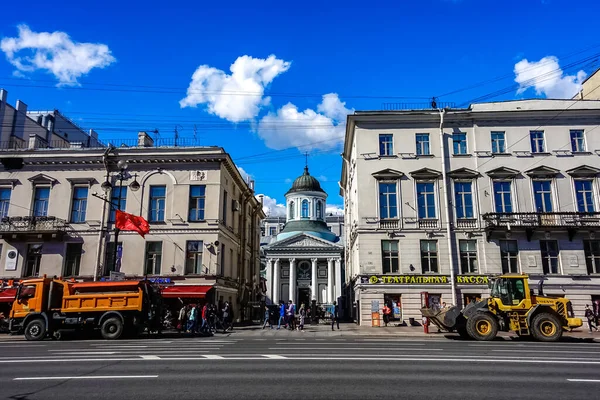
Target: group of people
{"x": 287, "y": 316}
{"x": 592, "y": 318}
{"x": 205, "y": 319}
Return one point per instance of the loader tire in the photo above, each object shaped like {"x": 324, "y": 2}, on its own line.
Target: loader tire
{"x": 546, "y": 327}
{"x": 482, "y": 326}
{"x": 35, "y": 329}
{"x": 111, "y": 328}
{"x": 463, "y": 332}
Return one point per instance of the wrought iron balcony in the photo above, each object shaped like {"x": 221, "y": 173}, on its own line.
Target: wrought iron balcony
{"x": 32, "y": 225}
{"x": 545, "y": 220}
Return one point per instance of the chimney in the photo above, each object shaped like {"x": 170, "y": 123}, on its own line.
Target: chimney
{"x": 21, "y": 107}
{"x": 3, "y": 96}
{"x": 144, "y": 140}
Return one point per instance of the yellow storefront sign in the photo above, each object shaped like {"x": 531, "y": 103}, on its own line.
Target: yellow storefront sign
{"x": 428, "y": 280}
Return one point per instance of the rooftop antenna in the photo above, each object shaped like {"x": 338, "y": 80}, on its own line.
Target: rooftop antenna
{"x": 176, "y": 135}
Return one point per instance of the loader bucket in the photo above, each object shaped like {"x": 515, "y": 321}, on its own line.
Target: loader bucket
{"x": 444, "y": 318}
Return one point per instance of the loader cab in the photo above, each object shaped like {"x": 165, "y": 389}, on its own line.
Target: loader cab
{"x": 512, "y": 292}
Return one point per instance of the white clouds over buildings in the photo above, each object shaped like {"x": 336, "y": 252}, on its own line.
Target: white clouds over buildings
{"x": 547, "y": 78}
{"x": 56, "y": 53}
{"x": 270, "y": 206}
{"x": 237, "y": 96}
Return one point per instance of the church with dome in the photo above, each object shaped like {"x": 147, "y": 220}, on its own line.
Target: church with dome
{"x": 303, "y": 258}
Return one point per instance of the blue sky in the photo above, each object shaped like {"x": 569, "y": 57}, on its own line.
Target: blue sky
{"x": 120, "y": 67}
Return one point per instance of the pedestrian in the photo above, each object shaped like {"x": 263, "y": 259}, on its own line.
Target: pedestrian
{"x": 181, "y": 323}
{"x": 291, "y": 315}
{"x": 386, "y": 314}
{"x": 302, "y": 313}
{"x": 191, "y": 319}
{"x": 267, "y": 318}
{"x": 589, "y": 314}
{"x": 335, "y": 316}
{"x": 281, "y": 314}
{"x": 226, "y": 311}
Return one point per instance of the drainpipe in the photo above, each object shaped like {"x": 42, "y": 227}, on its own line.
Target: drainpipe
{"x": 447, "y": 207}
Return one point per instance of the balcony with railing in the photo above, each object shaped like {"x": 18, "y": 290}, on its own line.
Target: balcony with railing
{"x": 388, "y": 224}
{"x": 530, "y": 221}
{"x": 428, "y": 223}
{"x": 22, "y": 227}
{"x": 466, "y": 223}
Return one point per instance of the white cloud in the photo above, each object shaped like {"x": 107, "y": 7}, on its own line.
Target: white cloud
{"x": 322, "y": 178}
{"x": 308, "y": 129}
{"x": 547, "y": 78}
{"x": 270, "y": 206}
{"x": 238, "y": 96}
{"x": 56, "y": 53}
{"x": 246, "y": 176}
{"x": 334, "y": 209}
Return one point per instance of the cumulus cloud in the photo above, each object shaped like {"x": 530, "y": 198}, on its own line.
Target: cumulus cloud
{"x": 270, "y": 206}
{"x": 246, "y": 176}
{"x": 547, "y": 78}
{"x": 55, "y": 53}
{"x": 238, "y": 96}
{"x": 334, "y": 209}
{"x": 308, "y": 129}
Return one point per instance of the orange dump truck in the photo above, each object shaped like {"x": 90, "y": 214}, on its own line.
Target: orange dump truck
{"x": 46, "y": 307}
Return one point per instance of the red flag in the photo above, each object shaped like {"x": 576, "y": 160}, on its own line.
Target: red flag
{"x": 130, "y": 222}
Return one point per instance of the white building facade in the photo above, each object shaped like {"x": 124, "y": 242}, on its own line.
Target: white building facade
{"x": 438, "y": 201}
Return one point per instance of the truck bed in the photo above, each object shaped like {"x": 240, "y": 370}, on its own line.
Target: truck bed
{"x": 112, "y": 301}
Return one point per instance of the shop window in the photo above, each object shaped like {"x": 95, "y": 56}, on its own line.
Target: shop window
{"x": 394, "y": 302}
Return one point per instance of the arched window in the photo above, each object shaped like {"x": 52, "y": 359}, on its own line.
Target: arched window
{"x": 291, "y": 209}
{"x": 319, "y": 210}
{"x": 304, "y": 208}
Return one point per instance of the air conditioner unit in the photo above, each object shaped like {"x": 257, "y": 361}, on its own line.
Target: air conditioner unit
{"x": 235, "y": 205}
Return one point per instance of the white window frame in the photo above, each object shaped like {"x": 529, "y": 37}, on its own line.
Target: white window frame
{"x": 503, "y": 139}
{"x": 417, "y": 144}
{"x": 583, "y": 138}
{"x": 512, "y": 194}
{"x": 398, "y": 208}
{"x": 552, "y": 194}
{"x": 543, "y": 140}
{"x": 594, "y": 191}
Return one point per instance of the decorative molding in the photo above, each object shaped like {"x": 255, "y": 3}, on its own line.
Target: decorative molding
{"x": 584, "y": 171}
{"x": 82, "y": 181}
{"x": 503, "y": 173}
{"x": 314, "y": 260}
{"x": 425, "y": 173}
{"x": 543, "y": 172}
{"x": 11, "y": 182}
{"x": 42, "y": 179}
{"x": 387, "y": 173}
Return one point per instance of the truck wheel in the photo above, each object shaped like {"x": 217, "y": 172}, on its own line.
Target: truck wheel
{"x": 546, "y": 327}
{"x": 482, "y": 326}
{"x": 35, "y": 330}
{"x": 111, "y": 328}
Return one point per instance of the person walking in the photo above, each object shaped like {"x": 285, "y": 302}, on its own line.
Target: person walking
{"x": 290, "y": 314}
{"x": 267, "y": 318}
{"x": 181, "y": 323}
{"x": 589, "y": 314}
{"x": 302, "y": 313}
{"x": 204, "y": 315}
{"x": 281, "y": 314}
{"x": 386, "y": 314}
{"x": 191, "y": 319}
{"x": 335, "y": 316}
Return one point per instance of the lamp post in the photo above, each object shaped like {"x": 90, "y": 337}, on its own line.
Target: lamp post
{"x": 107, "y": 187}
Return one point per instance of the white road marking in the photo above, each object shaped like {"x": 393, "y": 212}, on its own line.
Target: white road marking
{"x": 150, "y": 357}
{"x": 89, "y": 353}
{"x": 387, "y": 349}
{"x": 584, "y": 380}
{"x": 44, "y": 378}
{"x": 212, "y": 357}
{"x": 274, "y": 357}
{"x": 548, "y": 351}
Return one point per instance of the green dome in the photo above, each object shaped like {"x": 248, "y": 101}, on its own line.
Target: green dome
{"x": 305, "y": 183}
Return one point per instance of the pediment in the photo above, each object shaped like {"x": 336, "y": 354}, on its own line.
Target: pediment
{"x": 463, "y": 173}
{"x": 584, "y": 171}
{"x": 41, "y": 179}
{"x": 426, "y": 173}
{"x": 503, "y": 173}
{"x": 387, "y": 173}
{"x": 302, "y": 240}
{"x": 543, "y": 172}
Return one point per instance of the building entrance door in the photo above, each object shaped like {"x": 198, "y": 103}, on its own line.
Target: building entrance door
{"x": 303, "y": 297}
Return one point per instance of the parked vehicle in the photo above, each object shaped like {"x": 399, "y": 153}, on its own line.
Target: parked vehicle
{"x": 47, "y": 307}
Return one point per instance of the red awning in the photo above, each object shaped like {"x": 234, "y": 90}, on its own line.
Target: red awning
{"x": 188, "y": 291}
{"x": 7, "y": 295}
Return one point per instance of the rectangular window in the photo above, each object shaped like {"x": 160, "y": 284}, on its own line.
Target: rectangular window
{"x": 79, "y": 204}
{"x": 577, "y": 141}
{"x": 498, "y": 142}
{"x": 468, "y": 256}
{"x": 193, "y": 257}
{"x": 388, "y": 205}
{"x": 502, "y": 197}
{"x": 158, "y": 196}
{"x": 4, "y": 201}
{"x": 272, "y": 231}
{"x": 463, "y": 199}
{"x": 537, "y": 141}
{"x": 542, "y": 193}
{"x": 390, "y": 258}
{"x": 225, "y": 207}
{"x": 459, "y": 142}
{"x": 386, "y": 145}
{"x": 118, "y": 197}
{"x": 509, "y": 255}
{"x": 423, "y": 144}
{"x": 153, "y": 258}
{"x": 549, "y": 249}
{"x": 41, "y": 197}
{"x": 34, "y": 260}
{"x": 429, "y": 259}
{"x": 426, "y": 200}
{"x": 584, "y": 193}
{"x": 73, "y": 259}
{"x": 196, "y": 203}
{"x": 592, "y": 256}
{"x": 109, "y": 264}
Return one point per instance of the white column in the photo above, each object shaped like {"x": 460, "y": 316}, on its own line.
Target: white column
{"x": 338, "y": 278}
{"x": 269, "y": 280}
{"x": 330, "y": 288}
{"x": 276, "y": 283}
{"x": 314, "y": 287}
{"x": 292, "y": 280}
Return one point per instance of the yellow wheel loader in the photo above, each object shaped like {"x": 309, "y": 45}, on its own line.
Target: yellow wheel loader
{"x": 512, "y": 306}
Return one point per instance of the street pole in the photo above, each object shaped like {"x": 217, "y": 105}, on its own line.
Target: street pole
{"x": 117, "y": 230}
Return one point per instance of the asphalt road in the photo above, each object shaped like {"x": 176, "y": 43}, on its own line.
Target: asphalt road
{"x": 295, "y": 367}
